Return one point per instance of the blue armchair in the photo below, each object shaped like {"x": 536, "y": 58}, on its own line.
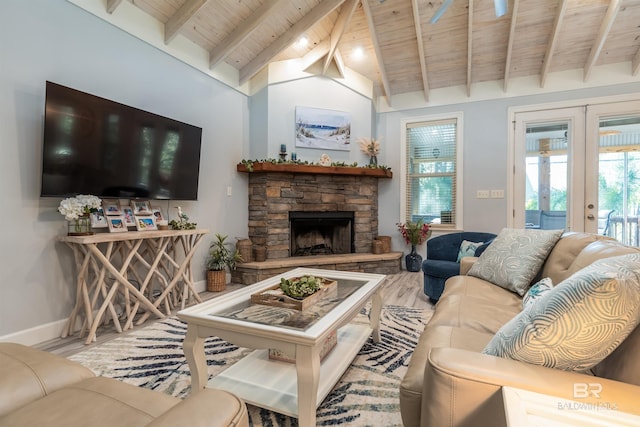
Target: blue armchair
{"x": 441, "y": 261}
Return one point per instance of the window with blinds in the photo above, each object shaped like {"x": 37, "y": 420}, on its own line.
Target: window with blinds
{"x": 431, "y": 171}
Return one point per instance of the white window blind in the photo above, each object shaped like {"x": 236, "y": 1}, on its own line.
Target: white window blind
{"x": 431, "y": 171}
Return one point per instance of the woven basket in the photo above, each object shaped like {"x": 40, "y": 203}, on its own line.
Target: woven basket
{"x": 386, "y": 243}
{"x": 216, "y": 280}
{"x": 245, "y": 249}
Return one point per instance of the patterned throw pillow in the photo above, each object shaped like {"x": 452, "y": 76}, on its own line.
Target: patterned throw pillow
{"x": 579, "y": 322}
{"x": 468, "y": 248}
{"x": 515, "y": 257}
{"x": 536, "y": 292}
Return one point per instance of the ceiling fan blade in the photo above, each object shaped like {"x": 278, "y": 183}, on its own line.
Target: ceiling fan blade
{"x": 439, "y": 12}
{"x": 501, "y": 7}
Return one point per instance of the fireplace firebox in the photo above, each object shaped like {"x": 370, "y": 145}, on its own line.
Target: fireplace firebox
{"x": 321, "y": 233}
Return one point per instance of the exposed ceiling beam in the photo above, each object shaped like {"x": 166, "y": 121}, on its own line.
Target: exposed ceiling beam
{"x": 316, "y": 14}
{"x": 551, "y": 47}
{"x": 376, "y": 48}
{"x": 339, "y": 28}
{"x": 512, "y": 36}
{"x": 176, "y": 21}
{"x": 469, "y": 47}
{"x": 605, "y": 27}
{"x": 635, "y": 64}
{"x": 337, "y": 58}
{"x": 315, "y": 54}
{"x": 112, "y": 5}
{"x": 242, "y": 32}
{"x": 423, "y": 64}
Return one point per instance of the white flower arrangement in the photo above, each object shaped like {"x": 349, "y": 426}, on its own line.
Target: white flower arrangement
{"x": 74, "y": 207}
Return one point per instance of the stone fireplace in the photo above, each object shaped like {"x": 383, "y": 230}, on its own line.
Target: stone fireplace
{"x": 313, "y": 216}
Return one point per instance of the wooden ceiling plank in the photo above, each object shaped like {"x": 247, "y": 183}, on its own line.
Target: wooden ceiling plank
{"x": 346, "y": 13}
{"x": 376, "y": 47}
{"x": 512, "y": 36}
{"x": 180, "y": 18}
{"x": 469, "y": 47}
{"x": 421, "y": 54}
{"x": 605, "y": 28}
{"x": 317, "y": 14}
{"x": 112, "y": 5}
{"x": 242, "y": 32}
{"x": 635, "y": 64}
{"x": 553, "y": 41}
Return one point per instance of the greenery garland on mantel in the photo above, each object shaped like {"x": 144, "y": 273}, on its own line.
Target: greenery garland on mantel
{"x": 249, "y": 164}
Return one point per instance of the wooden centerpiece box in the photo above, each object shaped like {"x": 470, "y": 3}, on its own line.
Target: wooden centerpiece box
{"x": 275, "y": 296}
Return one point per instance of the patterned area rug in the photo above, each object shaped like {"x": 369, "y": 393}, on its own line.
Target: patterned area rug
{"x": 366, "y": 395}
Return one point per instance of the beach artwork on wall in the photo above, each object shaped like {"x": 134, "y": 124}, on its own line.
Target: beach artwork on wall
{"x": 323, "y": 129}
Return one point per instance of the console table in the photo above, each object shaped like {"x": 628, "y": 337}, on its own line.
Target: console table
{"x": 148, "y": 270}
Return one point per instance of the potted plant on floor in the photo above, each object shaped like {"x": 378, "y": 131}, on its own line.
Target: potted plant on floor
{"x": 220, "y": 258}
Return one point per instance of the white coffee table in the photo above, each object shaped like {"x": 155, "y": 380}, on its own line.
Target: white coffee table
{"x": 291, "y": 389}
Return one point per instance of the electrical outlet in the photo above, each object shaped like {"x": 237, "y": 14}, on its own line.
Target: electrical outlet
{"x": 482, "y": 194}
{"x": 497, "y": 194}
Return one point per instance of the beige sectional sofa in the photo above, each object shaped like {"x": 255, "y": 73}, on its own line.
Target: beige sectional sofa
{"x": 450, "y": 382}
{"x": 41, "y": 389}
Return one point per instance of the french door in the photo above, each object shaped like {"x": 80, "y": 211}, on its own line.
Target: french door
{"x": 578, "y": 169}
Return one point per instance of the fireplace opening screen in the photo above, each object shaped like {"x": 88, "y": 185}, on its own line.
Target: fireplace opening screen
{"x": 321, "y": 233}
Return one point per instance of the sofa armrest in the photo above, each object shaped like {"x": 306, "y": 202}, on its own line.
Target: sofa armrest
{"x": 28, "y": 374}
{"x": 466, "y": 263}
{"x": 208, "y": 407}
{"x": 464, "y": 388}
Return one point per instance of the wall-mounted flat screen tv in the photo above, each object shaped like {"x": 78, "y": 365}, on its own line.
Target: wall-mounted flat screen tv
{"x": 96, "y": 146}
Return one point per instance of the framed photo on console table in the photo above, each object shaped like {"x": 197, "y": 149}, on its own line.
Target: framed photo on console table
{"x": 140, "y": 207}
{"x": 129, "y": 218}
{"x": 146, "y": 223}
{"x": 116, "y": 223}
{"x": 98, "y": 219}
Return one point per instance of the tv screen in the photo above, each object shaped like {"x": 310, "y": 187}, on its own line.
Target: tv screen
{"x": 96, "y": 146}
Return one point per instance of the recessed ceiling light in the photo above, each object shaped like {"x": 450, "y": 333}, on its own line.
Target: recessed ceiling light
{"x": 302, "y": 41}
{"x": 358, "y": 53}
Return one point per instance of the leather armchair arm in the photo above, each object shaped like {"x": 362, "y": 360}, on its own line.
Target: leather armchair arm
{"x": 206, "y": 408}
{"x": 464, "y": 388}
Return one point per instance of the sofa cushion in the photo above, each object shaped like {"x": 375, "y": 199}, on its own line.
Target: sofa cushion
{"x": 473, "y": 314}
{"x": 468, "y": 248}
{"x": 580, "y": 321}
{"x": 482, "y": 291}
{"x": 514, "y": 258}
{"x": 537, "y": 291}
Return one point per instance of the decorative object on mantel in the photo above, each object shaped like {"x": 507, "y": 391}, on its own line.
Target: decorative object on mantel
{"x": 325, "y": 160}
{"x": 371, "y": 148}
{"x": 386, "y": 243}
{"x": 245, "y": 249}
{"x": 259, "y": 253}
{"x": 414, "y": 233}
{"x": 336, "y": 168}
{"x": 220, "y": 258}
{"x": 182, "y": 222}
{"x": 77, "y": 211}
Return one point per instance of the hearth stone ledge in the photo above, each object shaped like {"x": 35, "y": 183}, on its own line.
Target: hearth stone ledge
{"x": 252, "y": 272}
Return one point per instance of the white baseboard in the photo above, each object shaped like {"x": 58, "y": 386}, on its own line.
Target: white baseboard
{"x": 49, "y": 331}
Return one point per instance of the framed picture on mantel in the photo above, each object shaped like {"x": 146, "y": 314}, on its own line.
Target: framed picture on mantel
{"x": 322, "y": 129}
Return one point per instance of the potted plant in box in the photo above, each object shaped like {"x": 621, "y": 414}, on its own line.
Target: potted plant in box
{"x": 220, "y": 258}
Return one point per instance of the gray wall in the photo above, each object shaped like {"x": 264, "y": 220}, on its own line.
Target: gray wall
{"x": 54, "y": 40}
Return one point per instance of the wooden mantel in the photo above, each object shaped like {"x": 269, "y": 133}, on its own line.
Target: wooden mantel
{"x": 316, "y": 169}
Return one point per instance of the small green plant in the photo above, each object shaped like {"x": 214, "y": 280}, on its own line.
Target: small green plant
{"x": 300, "y": 287}
{"x": 221, "y": 256}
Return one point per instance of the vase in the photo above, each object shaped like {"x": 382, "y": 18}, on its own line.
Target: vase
{"x": 373, "y": 161}
{"x": 413, "y": 260}
{"x": 80, "y": 226}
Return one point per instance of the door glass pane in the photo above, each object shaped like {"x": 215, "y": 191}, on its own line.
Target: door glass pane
{"x": 619, "y": 178}
{"x": 546, "y": 175}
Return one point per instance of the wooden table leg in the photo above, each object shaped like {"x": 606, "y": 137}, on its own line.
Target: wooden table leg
{"x": 308, "y": 370}
{"x": 193, "y": 348}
